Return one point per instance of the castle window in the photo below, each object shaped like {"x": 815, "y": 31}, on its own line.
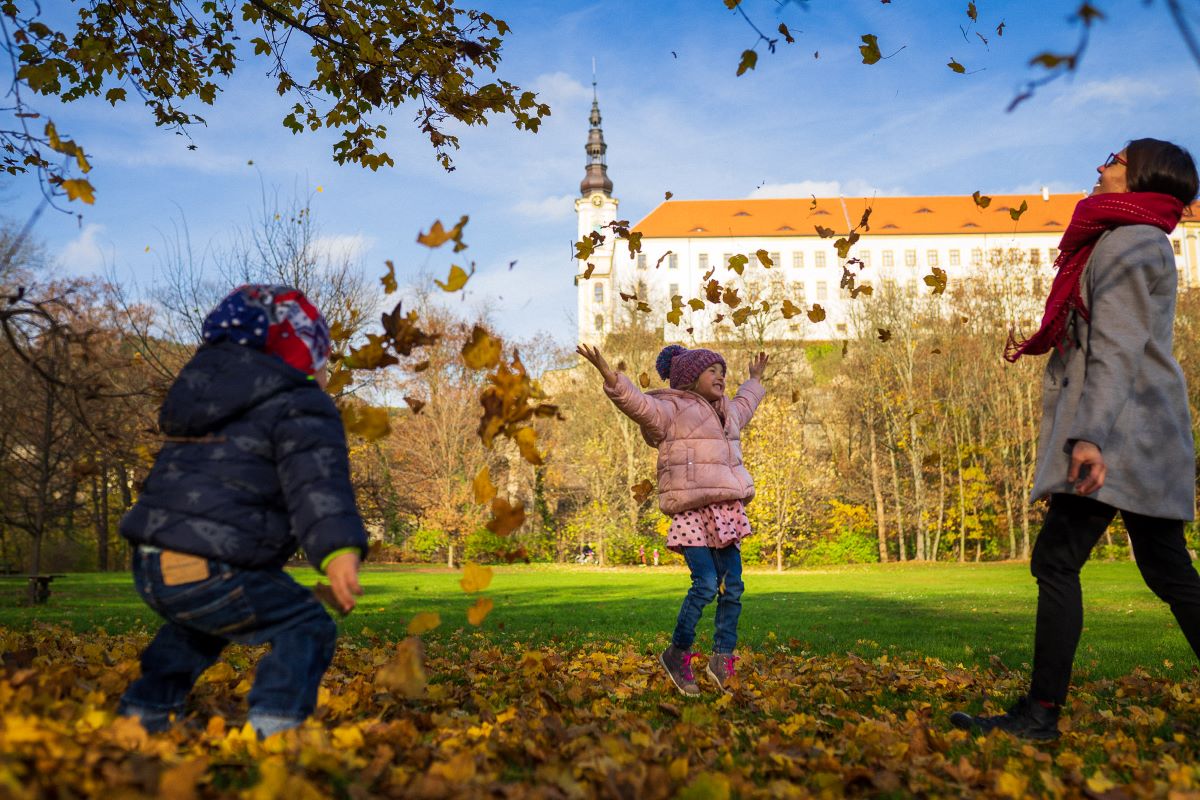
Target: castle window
{"x": 672, "y": 290}
{"x": 598, "y": 322}
{"x": 819, "y": 259}
{"x": 702, "y": 262}
{"x": 797, "y": 260}
{"x": 598, "y": 293}
{"x": 822, "y": 290}
{"x": 776, "y": 259}
{"x": 641, "y": 260}
{"x": 955, "y": 260}
{"x": 889, "y": 258}
{"x": 931, "y": 258}
{"x": 910, "y": 258}
{"x": 673, "y": 261}
{"x": 977, "y": 257}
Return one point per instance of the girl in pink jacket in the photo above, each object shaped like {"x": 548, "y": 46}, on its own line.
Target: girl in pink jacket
{"x": 702, "y": 485}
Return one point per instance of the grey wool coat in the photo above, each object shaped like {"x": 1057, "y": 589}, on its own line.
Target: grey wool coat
{"x": 1118, "y": 384}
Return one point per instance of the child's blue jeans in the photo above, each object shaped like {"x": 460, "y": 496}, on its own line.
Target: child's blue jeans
{"x": 710, "y": 567}
{"x": 231, "y": 605}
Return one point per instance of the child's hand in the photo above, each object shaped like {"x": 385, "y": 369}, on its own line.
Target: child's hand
{"x": 758, "y": 365}
{"x": 343, "y": 580}
{"x": 592, "y": 354}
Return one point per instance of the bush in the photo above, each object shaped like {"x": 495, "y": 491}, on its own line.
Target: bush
{"x": 428, "y": 544}
{"x": 847, "y": 547}
{"x": 485, "y": 547}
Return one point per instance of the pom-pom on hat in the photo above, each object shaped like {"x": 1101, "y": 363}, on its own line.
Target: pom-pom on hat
{"x": 278, "y": 320}
{"x": 683, "y": 366}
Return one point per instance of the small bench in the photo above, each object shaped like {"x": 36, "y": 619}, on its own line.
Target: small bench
{"x": 38, "y": 591}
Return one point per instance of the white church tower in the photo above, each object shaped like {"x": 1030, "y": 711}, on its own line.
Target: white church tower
{"x": 595, "y": 208}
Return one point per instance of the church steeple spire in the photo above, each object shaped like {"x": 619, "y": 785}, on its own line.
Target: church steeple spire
{"x": 596, "y": 179}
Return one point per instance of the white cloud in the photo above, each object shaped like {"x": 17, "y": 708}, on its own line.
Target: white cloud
{"x": 559, "y": 89}
{"x": 342, "y": 247}
{"x": 854, "y": 188}
{"x": 548, "y": 208}
{"x": 82, "y": 255}
{"x": 1124, "y": 92}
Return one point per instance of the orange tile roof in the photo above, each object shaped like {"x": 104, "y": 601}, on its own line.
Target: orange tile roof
{"x": 889, "y": 216}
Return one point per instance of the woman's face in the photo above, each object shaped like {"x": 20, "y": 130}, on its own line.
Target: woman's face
{"x": 711, "y": 384}
{"x": 1112, "y": 176}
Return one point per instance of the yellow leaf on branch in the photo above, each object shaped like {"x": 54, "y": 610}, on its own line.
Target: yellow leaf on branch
{"x": 79, "y": 189}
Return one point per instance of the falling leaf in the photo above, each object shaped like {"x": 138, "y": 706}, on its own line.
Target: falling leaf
{"x": 790, "y": 309}
{"x": 764, "y": 258}
{"x": 389, "y": 278}
{"x": 506, "y": 517}
{"x": 584, "y": 249}
{"x": 642, "y": 491}
{"x": 416, "y": 404}
{"x": 477, "y": 613}
{"x": 661, "y": 258}
{"x": 884, "y": 334}
{"x": 1016, "y": 213}
{"x": 482, "y": 351}
{"x": 438, "y": 236}
{"x": 817, "y": 313}
{"x": 475, "y": 578}
{"x": 366, "y": 421}
{"x": 423, "y": 623}
{"x": 844, "y": 244}
{"x": 814, "y": 203}
{"x": 675, "y": 315}
{"x": 339, "y": 379}
{"x": 870, "y": 49}
{"x": 667, "y": 196}
{"x": 824, "y": 233}
{"x": 787, "y": 35}
{"x": 420, "y": 366}
{"x": 730, "y": 297}
{"x": 482, "y": 487}
{"x": 712, "y": 291}
{"x": 404, "y": 673}
{"x": 956, "y": 67}
{"x": 740, "y": 316}
{"x": 526, "y": 439}
{"x": 981, "y": 200}
{"x": 749, "y": 59}
{"x": 696, "y": 303}
{"x": 644, "y": 380}
{"x": 862, "y": 223}
{"x": 644, "y": 307}
{"x": 1000, "y": 29}
{"x": 456, "y": 280}
{"x": 936, "y": 280}
{"x": 738, "y": 263}
{"x": 587, "y": 273}
{"x": 971, "y": 12}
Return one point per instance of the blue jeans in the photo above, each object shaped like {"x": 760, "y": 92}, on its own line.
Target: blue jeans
{"x": 710, "y": 567}
{"x": 231, "y": 605}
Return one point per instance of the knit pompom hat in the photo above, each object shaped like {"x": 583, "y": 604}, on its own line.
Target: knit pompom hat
{"x": 684, "y": 366}
{"x": 278, "y": 320}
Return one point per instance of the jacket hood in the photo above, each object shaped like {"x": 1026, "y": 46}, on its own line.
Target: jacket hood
{"x": 221, "y": 382}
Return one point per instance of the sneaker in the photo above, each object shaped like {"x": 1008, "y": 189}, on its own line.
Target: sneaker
{"x": 721, "y": 670}
{"x": 1026, "y": 719}
{"x": 678, "y": 664}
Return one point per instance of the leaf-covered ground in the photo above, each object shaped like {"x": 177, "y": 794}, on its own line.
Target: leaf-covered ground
{"x": 601, "y": 721}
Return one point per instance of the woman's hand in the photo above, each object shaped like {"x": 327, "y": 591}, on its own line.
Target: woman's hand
{"x": 1087, "y": 467}
{"x": 592, "y": 354}
{"x": 758, "y": 366}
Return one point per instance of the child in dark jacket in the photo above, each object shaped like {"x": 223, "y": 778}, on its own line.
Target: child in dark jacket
{"x": 254, "y": 465}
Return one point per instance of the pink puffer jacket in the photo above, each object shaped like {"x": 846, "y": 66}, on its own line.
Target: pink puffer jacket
{"x": 699, "y": 461}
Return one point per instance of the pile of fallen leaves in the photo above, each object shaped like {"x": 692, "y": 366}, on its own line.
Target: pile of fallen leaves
{"x": 510, "y": 721}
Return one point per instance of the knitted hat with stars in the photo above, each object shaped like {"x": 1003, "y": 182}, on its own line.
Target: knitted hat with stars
{"x": 278, "y": 320}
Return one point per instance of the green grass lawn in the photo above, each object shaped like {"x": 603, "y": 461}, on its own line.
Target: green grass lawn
{"x": 957, "y": 613}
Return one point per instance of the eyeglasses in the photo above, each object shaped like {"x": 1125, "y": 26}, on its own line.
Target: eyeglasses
{"x": 1113, "y": 158}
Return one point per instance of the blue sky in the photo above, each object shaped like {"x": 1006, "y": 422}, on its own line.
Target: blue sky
{"x": 676, "y": 118}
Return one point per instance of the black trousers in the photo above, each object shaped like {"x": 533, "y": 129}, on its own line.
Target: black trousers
{"x": 1072, "y": 527}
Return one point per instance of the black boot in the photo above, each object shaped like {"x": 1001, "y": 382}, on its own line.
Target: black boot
{"x": 1027, "y": 719}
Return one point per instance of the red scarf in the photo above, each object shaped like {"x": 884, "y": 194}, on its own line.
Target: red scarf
{"x": 1093, "y": 216}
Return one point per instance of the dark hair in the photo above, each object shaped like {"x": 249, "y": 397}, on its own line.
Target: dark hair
{"x": 1158, "y": 166}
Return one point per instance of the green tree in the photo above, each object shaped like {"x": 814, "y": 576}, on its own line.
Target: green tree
{"x": 360, "y": 57}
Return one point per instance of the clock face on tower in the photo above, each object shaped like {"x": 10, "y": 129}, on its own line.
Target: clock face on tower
{"x": 597, "y": 201}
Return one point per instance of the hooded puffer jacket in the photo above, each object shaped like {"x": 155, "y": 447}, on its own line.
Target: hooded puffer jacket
{"x": 699, "y": 459}
{"x": 254, "y": 465}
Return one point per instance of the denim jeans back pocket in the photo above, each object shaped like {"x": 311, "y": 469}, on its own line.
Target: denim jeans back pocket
{"x": 220, "y": 613}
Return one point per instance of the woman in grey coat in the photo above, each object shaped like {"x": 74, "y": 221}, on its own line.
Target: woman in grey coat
{"x": 1116, "y": 433}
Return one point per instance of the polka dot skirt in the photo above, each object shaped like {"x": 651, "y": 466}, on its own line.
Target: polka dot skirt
{"x": 715, "y": 525}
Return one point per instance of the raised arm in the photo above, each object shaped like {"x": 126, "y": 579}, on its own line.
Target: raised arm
{"x": 749, "y": 394}
{"x": 643, "y": 410}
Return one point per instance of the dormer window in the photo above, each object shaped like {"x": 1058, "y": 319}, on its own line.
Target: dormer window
{"x": 742, "y": 214}
{"x": 970, "y": 225}
{"x": 923, "y": 210}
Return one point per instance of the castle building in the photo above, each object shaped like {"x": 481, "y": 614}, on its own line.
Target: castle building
{"x": 908, "y": 238}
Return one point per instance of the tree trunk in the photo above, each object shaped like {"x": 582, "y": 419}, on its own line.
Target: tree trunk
{"x": 914, "y": 459}
{"x": 941, "y": 523}
{"x": 899, "y": 508}
{"x": 877, "y": 491}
